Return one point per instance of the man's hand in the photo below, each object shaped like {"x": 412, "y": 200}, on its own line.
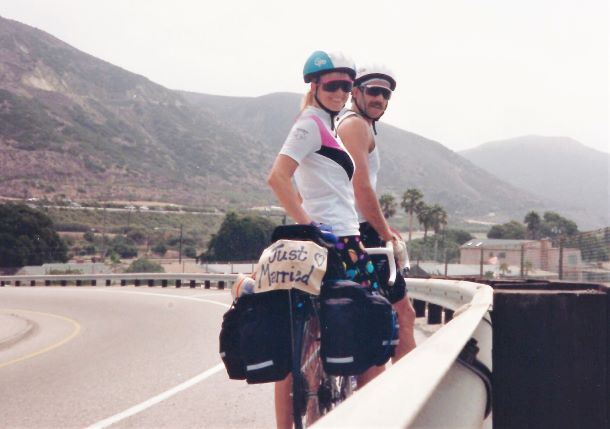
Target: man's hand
{"x": 400, "y": 251}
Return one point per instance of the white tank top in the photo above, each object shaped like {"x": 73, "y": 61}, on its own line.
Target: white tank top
{"x": 374, "y": 160}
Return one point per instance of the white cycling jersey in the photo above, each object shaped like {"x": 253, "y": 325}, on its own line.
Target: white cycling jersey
{"x": 323, "y": 177}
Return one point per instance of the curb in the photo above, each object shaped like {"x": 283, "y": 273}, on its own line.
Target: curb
{"x": 18, "y": 333}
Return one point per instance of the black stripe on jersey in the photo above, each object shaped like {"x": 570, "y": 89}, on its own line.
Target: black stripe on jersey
{"x": 340, "y": 157}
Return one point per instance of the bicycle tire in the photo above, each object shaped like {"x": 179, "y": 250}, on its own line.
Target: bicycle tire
{"x": 315, "y": 393}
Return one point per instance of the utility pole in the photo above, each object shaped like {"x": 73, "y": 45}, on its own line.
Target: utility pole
{"x": 180, "y": 246}
{"x": 522, "y": 264}
{"x": 481, "y": 264}
{"x": 561, "y": 244}
{"x": 104, "y": 234}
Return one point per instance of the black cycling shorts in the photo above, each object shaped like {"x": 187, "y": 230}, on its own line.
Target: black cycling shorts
{"x": 357, "y": 263}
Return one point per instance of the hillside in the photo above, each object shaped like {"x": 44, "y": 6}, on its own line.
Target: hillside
{"x": 560, "y": 168}
{"x": 72, "y": 124}
{"x": 408, "y": 160}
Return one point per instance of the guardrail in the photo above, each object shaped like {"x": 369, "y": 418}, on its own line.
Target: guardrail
{"x": 445, "y": 382}
{"x": 137, "y": 279}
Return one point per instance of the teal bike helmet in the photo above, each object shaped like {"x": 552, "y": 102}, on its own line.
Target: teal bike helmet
{"x": 321, "y": 62}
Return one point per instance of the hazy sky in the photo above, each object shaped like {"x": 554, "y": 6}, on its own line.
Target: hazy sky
{"x": 469, "y": 71}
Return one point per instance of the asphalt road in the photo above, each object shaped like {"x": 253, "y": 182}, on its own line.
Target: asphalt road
{"x": 122, "y": 357}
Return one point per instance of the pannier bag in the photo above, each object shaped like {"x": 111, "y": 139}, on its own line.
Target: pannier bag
{"x": 230, "y": 352}
{"x": 359, "y": 328}
{"x": 255, "y": 338}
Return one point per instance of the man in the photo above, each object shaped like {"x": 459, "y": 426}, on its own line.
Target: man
{"x": 371, "y": 93}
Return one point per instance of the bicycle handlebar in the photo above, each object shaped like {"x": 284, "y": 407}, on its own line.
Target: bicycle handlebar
{"x": 388, "y": 251}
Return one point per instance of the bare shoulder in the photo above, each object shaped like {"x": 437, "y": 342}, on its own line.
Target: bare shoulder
{"x": 353, "y": 127}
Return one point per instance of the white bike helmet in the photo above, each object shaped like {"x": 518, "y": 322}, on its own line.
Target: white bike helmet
{"x": 375, "y": 71}
{"x": 367, "y": 73}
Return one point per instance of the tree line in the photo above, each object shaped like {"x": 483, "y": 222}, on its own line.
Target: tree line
{"x": 560, "y": 230}
{"x": 432, "y": 217}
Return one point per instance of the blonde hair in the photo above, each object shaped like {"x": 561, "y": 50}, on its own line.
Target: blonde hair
{"x": 307, "y": 99}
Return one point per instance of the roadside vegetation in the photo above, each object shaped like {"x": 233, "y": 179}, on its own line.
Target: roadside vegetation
{"x": 28, "y": 237}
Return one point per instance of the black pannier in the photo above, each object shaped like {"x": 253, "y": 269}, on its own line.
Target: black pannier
{"x": 230, "y": 351}
{"x": 255, "y": 338}
{"x": 359, "y": 329}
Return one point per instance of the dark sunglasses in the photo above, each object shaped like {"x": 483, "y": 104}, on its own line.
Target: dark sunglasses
{"x": 374, "y": 91}
{"x": 335, "y": 85}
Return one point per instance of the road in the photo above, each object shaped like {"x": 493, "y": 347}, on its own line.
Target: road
{"x": 95, "y": 357}
{"x": 126, "y": 357}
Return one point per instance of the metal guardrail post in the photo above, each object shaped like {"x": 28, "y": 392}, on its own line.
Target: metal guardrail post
{"x": 420, "y": 308}
{"x": 435, "y": 314}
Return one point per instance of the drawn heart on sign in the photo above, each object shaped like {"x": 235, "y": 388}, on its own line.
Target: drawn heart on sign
{"x": 319, "y": 258}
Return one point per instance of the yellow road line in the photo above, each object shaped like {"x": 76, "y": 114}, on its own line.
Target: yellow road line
{"x": 60, "y": 343}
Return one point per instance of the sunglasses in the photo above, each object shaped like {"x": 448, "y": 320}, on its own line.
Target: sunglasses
{"x": 374, "y": 91}
{"x": 335, "y": 85}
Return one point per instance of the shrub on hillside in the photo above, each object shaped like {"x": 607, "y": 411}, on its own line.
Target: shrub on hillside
{"x": 144, "y": 266}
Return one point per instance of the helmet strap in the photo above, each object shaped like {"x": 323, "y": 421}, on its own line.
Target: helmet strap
{"x": 332, "y": 113}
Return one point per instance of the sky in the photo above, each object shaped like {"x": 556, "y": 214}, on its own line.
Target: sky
{"x": 468, "y": 71}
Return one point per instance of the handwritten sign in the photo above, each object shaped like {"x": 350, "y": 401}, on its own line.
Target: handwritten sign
{"x": 290, "y": 264}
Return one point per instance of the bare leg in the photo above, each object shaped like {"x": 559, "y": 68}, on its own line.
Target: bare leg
{"x": 369, "y": 374}
{"x": 283, "y": 403}
{"x": 406, "y": 320}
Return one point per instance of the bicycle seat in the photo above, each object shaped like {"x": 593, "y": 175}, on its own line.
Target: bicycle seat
{"x": 300, "y": 232}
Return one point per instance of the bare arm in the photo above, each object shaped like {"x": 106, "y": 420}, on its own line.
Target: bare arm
{"x": 280, "y": 180}
{"x": 355, "y": 135}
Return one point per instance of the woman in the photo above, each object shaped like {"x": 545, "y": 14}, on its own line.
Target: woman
{"x": 322, "y": 170}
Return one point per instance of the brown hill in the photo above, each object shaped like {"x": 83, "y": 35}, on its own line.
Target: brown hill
{"x": 75, "y": 125}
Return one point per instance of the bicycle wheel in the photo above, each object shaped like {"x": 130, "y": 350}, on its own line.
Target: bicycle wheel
{"x": 308, "y": 374}
{"x": 315, "y": 393}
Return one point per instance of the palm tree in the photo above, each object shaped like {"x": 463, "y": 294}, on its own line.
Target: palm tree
{"x": 438, "y": 218}
{"x": 388, "y": 205}
{"x": 412, "y": 203}
{"x": 533, "y": 222}
{"x": 424, "y": 217}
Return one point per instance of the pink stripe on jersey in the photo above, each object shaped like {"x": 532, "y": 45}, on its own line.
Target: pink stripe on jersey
{"x": 327, "y": 139}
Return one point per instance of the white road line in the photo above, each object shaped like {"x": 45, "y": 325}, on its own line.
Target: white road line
{"x": 166, "y": 295}
{"x": 156, "y": 399}
{"x": 168, "y": 393}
